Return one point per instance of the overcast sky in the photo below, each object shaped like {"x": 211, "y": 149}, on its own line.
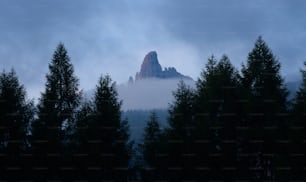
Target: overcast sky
{"x": 113, "y": 36}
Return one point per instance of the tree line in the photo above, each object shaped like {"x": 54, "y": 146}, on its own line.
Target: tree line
{"x": 233, "y": 126}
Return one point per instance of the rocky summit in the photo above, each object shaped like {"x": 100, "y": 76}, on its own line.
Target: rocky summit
{"x": 150, "y": 68}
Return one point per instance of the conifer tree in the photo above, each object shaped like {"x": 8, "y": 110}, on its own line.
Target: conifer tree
{"x": 201, "y": 104}
{"x": 297, "y": 130}
{"x": 151, "y": 136}
{"x": 299, "y": 101}
{"x": 181, "y": 112}
{"x": 180, "y": 133}
{"x": 56, "y": 113}
{"x": 59, "y": 100}
{"x": 202, "y": 135}
{"x": 16, "y": 115}
{"x": 267, "y": 106}
{"x": 217, "y": 114}
{"x": 109, "y": 145}
{"x": 150, "y": 149}
{"x": 84, "y": 128}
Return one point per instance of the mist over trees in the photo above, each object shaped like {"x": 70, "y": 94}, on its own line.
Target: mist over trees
{"x": 235, "y": 125}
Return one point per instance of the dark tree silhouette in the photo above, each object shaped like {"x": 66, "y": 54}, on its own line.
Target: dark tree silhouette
{"x": 181, "y": 112}
{"x": 267, "y": 110}
{"x": 180, "y": 134}
{"x": 16, "y": 115}
{"x": 56, "y": 109}
{"x": 297, "y": 131}
{"x": 149, "y": 148}
{"x": 217, "y": 115}
{"x": 103, "y": 135}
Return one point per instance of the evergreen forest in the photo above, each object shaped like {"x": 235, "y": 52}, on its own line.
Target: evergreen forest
{"x": 235, "y": 125}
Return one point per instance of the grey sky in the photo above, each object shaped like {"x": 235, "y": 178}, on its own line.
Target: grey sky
{"x": 113, "y": 36}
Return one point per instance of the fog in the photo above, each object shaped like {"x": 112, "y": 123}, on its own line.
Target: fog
{"x": 148, "y": 94}
{"x": 113, "y": 36}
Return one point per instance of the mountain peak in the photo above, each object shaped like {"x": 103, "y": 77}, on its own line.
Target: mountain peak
{"x": 150, "y": 68}
{"x": 151, "y": 56}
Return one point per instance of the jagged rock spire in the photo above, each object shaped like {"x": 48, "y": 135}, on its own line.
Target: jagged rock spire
{"x": 150, "y": 68}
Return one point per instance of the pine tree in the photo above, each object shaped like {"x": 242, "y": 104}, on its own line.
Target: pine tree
{"x": 227, "y": 91}
{"x": 202, "y": 135}
{"x": 109, "y": 145}
{"x": 217, "y": 114}
{"x": 83, "y": 135}
{"x": 16, "y": 115}
{"x": 297, "y": 131}
{"x": 151, "y": 136}
{"x": 268, "y": 101}
{"x": 84, "y": 128}
{"x": 180, "y": 133}
{"x": 299, "y": 101}
{"x": 56, "y": 109}
{"x": 201, "y": 107}
{"x": 16, "y": 112}
{"x": 181, "y": 112}
{"x": 150, "y": 149}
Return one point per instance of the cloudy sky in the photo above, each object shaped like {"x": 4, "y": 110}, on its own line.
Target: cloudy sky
{"x": 112, "y": 36}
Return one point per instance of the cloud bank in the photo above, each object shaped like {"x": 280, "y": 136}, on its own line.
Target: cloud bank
{"x": 149, "y": 94}
{"x": 113, "y": 36}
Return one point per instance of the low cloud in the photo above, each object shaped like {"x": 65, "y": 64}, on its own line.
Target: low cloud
{"x": 149, "y": 94}
{"x": 113, "y": 36}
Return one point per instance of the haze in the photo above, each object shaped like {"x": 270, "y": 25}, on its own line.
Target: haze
{"x": 113, "y": 36}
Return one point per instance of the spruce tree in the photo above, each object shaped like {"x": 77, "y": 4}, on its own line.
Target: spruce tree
{"x": 267, "y": 108}
{"x": 16, "y": 115}
{"x": 84, "y": 128}
{"x": 202, "y": 135}
{"x": 217, "y": 115}
{"x": 109, "y": 146}
{"x": 181, "y": 112}
{"x": 83, "y": 135}
{"x": 299, "y": 101}
{"x": 151, "y": 136}
{"x": 180, "y": 133}
{"x": 150, "y": 148}
{"x": 297, "y": 130}
{"x": 227, "y": 95}
{"x": 56, "y": 112}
